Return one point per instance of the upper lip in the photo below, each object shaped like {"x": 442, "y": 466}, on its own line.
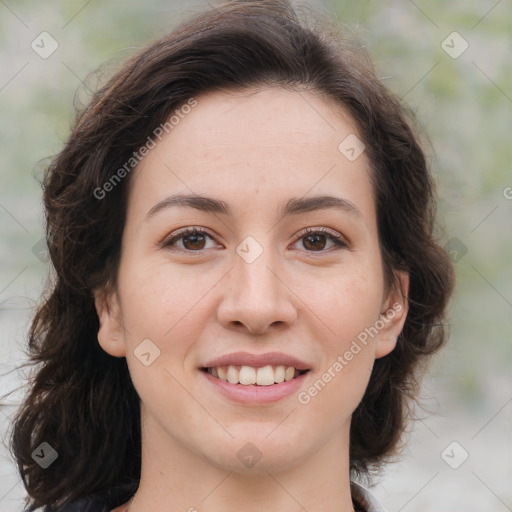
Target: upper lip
{"x": 257, "y": 360}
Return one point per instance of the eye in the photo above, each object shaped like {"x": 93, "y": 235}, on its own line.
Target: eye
{"x": 315, "y": 239}
{"x": 192, "y": 239}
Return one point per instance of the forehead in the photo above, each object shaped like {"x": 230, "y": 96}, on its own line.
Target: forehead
{"x": 271, "y": 117}
{"x": 272, "y": 141}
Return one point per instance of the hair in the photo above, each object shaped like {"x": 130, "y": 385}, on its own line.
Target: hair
{"x": 81, "y": 400}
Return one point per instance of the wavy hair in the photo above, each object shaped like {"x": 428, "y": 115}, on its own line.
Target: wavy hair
{"x": 81, "y": 400}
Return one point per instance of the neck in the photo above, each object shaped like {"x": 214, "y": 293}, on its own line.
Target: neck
{"x": 175, "y": 478}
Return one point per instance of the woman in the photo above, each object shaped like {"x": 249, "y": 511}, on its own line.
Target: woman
{"x": 247, "y": 281}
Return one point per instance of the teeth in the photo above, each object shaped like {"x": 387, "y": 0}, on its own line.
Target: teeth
{"x": 222, "y": 372}
{"x": 265, "y": 376}
{"x": 289, "y": 373}
{"x": 248, "y": 375}
{"x": 233, "y": 375}
{"x": 279, "y": 374}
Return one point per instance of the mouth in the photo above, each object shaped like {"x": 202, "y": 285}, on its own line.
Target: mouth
{"x": 254, "y": 376}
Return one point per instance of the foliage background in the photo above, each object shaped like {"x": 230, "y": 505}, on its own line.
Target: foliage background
{"x": 463, "y": 104}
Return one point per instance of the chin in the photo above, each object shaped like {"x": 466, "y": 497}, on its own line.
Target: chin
{"x": 258, "y": 454}
{"x": 266, "y": 463}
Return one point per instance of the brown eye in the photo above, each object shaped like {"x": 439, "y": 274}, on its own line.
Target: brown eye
{"x": 192, "y": 240}
{"x": 196, "y": 241}
{"x": 314, "y": 242}
{"x": 316, "y": 239}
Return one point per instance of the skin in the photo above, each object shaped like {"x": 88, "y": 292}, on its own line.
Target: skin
{"x": 254, "y": 150}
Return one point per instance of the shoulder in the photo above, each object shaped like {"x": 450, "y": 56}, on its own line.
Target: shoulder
{"x": 364, "y": 498}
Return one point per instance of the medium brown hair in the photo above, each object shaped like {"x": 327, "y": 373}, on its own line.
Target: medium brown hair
{"x": 82, "y": 400}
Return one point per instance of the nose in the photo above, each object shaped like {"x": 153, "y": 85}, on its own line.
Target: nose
{"x": 256, "y": 296}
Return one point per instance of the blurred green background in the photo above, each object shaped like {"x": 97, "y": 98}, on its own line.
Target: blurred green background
{"x": 463, "y": 104}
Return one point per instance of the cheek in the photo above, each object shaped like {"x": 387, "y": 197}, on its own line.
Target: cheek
{"x": 170, "y": 308}
{"x": 163, "y": 306}
{"x": 349, "y": 355}
{"x": 347, "y": 311}
{"x": 159, "y": 299}
{"x": 332, "y": 397}
{"x": 350, "y": 302}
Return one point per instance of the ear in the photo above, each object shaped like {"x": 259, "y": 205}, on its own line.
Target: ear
{"x": 111, "y": 331}
{"x": 393, "y": 314}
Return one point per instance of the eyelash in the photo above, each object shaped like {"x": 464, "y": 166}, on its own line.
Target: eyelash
{"x": 336, "y": 239}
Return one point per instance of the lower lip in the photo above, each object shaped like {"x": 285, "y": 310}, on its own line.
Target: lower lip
{"x": 253, "y": 394}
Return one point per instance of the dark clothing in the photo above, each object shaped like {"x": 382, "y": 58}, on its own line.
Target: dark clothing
{"x": 90, "y": 504}
{"x": 100, "y": 503}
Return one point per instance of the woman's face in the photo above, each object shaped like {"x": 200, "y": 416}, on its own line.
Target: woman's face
{"x": 252, "y": 281}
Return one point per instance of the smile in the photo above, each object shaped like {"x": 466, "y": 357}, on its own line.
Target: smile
{"x": 246, "y": 390}
{"x": 249, "y": 375}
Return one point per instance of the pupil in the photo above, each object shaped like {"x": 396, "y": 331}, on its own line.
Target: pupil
{"x": 194, "y": 239}
{"x": 316, "y": 240}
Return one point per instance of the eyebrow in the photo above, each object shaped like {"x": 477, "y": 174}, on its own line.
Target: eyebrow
{"x": 295, "y": 206}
